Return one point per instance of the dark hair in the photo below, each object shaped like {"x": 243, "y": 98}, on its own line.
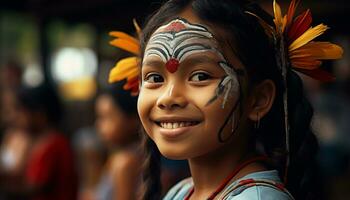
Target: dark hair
{"x": 151, "y": 186}
{"x": 122, "y": 98}
{"x": 42, "y": 98}
{"x": 256, "y": 51}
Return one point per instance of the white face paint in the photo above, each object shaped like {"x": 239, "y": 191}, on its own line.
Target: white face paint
{"x": 178, "y": 39}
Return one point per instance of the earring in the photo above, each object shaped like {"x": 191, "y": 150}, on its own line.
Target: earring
{"x": 257, "y": 123}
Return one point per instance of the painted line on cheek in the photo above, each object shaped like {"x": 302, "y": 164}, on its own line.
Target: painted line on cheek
{"x": 232, "y": 112}
{"x": 233, "y": 130}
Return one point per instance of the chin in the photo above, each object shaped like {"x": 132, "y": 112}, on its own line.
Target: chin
{"x": 173, "y": 153}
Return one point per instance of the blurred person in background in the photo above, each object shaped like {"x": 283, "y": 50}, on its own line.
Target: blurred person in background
{"x": 14, "y": 141}
{"x": 10, "y": 79}
{"x": 117, "y": 124}
{"x": 11, "y": 74}
{"x": 49, "y": 171}
{"x": 90, "y": 154}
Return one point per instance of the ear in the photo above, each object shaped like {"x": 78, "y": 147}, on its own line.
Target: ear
{"x": 262, "y": 99}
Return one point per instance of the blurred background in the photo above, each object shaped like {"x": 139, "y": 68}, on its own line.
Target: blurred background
{"x": 63, "y": 45}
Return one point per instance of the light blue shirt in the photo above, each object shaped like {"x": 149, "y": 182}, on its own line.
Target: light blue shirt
{"x": 256, "y": 192}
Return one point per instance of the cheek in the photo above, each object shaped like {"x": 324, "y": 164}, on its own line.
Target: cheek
{"x": 200, "y": 96}
{"x": 141, "y": 106}
{"x": 218, "y": 116}
{"x": 113, "y": 129}
{"x": 145, "y": 103}
{"x": 106, "y": 127}
{"x": 203, "y": 99}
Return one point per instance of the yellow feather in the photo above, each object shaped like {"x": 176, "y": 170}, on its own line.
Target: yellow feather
{"x": 309, "y": 35}
{"x": 278, "y": 16}
{"x": 318, "y": 50}
{"x": 127, "y": 45}
{"x": 284, "y": 23}
{"x": 126, "y": 64}
{"x": 132, "y": 73}
{"x": 114, "y": 76}
{"x": 125, "y": 68}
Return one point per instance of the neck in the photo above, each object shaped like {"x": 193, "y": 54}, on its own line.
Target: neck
{"x": 209, "y": 171}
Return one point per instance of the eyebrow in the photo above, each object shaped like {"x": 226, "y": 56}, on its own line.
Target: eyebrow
{"x": 153, "y": 63}
{"x": 195, "y": 60}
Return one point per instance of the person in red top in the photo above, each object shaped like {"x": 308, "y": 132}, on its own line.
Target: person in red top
{"x": 50, "y": 168}
{"x": 50, "y": 171}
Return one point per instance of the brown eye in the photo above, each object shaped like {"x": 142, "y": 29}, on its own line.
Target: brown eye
{"x": 154, "y": 78}
{"x": 200, "y": 76}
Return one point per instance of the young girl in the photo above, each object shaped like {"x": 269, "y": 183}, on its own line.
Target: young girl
{"x": 117, "y": 124}
{"x": 217, "y": 89}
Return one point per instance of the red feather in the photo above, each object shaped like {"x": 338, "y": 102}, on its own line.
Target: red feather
{"x": 132, "y": 84}
{"x": 301, "y": 24}
{"x": 318, "y": 74}
{"x": 291, "y": 10}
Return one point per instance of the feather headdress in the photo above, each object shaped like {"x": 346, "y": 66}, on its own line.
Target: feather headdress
{"x": 127, "y": 68}
{"x": 293, "y": 38}
{"x": 296, "y": 35}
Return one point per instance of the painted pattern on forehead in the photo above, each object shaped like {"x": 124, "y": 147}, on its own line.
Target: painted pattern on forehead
{"x": 178, "y": 39}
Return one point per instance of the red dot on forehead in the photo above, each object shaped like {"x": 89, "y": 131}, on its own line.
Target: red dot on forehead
{"x": 175, "y": 27}
{"x": 172, "y": 65}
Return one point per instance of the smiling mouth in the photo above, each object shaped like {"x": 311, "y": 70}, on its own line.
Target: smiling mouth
{"x": 175, "y": 125}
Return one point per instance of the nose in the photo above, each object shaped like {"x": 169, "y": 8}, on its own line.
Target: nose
{"x": 172, "y": 98}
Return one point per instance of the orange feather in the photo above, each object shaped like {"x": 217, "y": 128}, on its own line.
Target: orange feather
{"x": 305, "y": 63}
{"x": 126, "y": 45}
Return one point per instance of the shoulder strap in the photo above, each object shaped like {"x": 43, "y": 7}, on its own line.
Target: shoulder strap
{"x": 181, "y": 188}
{"x": 247, "y": 183}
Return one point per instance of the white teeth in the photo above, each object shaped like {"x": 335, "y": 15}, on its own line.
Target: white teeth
{"x": 174, "y": 125}
{"x": 182, "y": 124}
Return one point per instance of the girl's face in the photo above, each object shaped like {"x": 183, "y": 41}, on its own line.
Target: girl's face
{"x": 110, "y": 121}
{"x": 190, "y": 91}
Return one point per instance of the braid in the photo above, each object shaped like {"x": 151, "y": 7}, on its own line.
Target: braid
{"x": 151, "y": 187}
{"x": 303, "y": 143}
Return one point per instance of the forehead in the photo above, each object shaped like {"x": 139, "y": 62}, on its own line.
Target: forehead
{"x": 178, "y": 38}
{"x": 215, "y": 36}
{"x": 186, "y": 23}
{"x": 179, "y": 30}
{"x": 180, "y": 24}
